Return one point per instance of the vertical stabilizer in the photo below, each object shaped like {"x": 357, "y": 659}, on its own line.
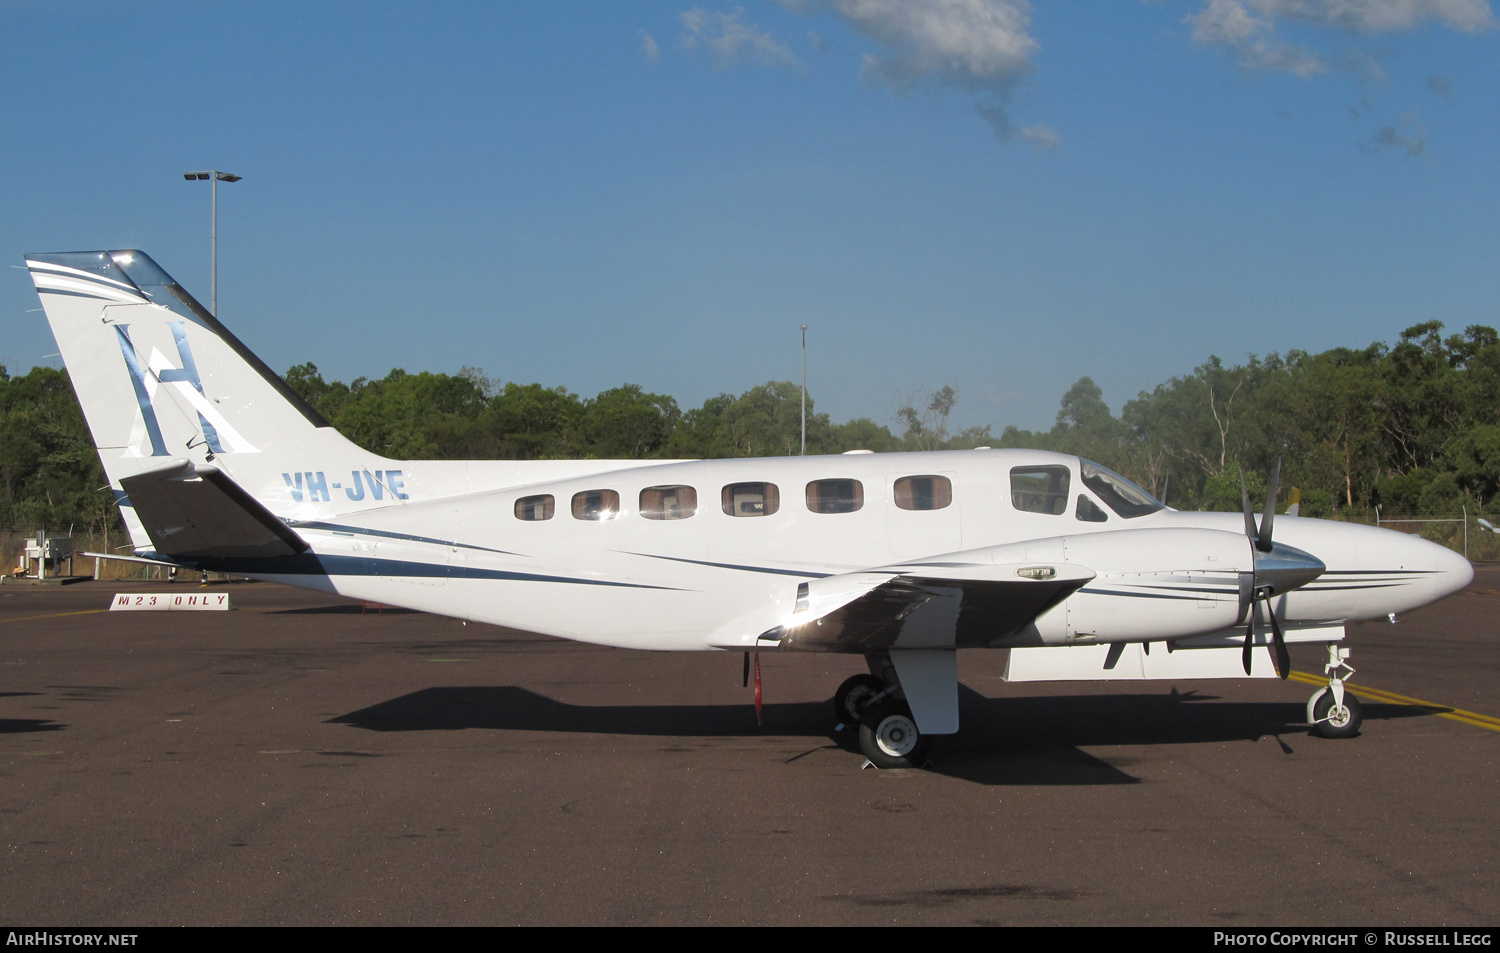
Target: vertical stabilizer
{"x": 160, "y": 379}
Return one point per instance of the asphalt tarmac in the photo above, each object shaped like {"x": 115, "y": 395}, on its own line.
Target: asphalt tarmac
{"x": 298, "y": 762}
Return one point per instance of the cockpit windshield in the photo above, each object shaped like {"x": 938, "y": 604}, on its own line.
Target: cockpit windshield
{"x": 1118, "y": 493}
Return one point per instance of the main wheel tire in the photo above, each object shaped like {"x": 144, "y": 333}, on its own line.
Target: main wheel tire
{"x": 890, "y": 738}
{"x": 853, "y": 697}
{"x": 1336, "y": 721}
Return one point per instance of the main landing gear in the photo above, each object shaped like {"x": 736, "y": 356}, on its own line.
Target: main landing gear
{"x": 1333, "y": 711}
{"x": 888, "y": 734}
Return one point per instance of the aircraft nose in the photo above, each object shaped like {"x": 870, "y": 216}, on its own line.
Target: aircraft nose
{"x": 1454, "y": 571}
{"x": 1442, "y": 572}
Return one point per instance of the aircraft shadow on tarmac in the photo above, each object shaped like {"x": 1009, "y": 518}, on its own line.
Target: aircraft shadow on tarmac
{"x": 1026, "y": 740}
{"x": 345, "y": 609}
{"x": 21, "y": 726}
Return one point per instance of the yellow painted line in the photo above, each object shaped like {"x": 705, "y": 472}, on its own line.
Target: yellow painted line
{"x": 55, "y": 615}
{"x": 1487, "y": 722}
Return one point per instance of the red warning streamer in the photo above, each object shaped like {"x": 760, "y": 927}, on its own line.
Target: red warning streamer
{"x": 759, "y": 719}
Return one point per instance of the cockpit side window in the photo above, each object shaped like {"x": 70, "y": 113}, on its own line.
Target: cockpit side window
{"x": 1040, "y": 489}
{"x": 1089, "y": 511}
{"x": 1118, "y": 493}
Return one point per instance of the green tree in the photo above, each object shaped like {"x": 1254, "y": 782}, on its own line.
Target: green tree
{"x": 627, "y": 422}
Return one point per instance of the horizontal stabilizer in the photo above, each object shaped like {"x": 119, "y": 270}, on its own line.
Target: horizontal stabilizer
{"x": 198, "y": 511}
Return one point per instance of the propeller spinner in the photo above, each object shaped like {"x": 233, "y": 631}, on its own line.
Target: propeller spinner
{"x": 1278, "y": 570}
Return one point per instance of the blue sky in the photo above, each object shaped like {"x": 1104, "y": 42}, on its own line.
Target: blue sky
{"x": 999, "y": 196}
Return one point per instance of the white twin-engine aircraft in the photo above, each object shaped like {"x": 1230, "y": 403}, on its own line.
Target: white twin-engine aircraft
{"x": 903, "y": 558}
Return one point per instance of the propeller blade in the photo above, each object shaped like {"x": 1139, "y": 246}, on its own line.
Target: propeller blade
{"x": 1263, "y": 539}
{"x": 1249, "y": 516}
{"x": 1283, "y": 657}
{"x": 1245, "y": 656}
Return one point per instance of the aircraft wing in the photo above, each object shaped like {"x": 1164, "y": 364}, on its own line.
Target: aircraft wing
{"x": 926, "y": 607}
{"x": 198, "y": 511}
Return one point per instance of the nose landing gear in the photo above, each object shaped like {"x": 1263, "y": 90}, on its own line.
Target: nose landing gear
{"x": 1333, "y": 711}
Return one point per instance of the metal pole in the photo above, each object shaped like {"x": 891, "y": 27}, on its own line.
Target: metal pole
{"x": 1466, "y": 531}
{"x": 213, "y": 177}
{"x": 804, "y": 390}
{"x": 213, "y": 282}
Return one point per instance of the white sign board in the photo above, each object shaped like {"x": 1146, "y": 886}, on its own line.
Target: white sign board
{"x": 170, "y": 601}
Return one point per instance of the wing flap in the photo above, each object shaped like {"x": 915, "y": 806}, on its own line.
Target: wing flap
{"x": 196, "y": 511}
{"x": 963, "y": 607}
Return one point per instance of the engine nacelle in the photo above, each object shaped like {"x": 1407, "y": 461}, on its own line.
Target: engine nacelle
{"x": 1150, "y": 584}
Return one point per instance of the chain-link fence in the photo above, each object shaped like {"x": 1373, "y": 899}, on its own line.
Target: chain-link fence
{"x": 1472, "y": 534}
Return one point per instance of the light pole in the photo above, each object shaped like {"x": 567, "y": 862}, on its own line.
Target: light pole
{"x": 214, "y": 177}
{"x": 804, "y": 390}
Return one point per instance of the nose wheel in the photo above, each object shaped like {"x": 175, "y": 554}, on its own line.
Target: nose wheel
{"x": 1333, "y": 711}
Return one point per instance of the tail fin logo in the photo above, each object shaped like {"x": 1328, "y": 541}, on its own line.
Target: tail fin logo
{"x": 146, "y": 438}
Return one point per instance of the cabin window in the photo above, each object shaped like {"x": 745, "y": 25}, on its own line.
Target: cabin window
{"x": 535, "y": 507}
{"x": 835, "y": 496}
{"x": 751, "y": 499}
{"x": 1089, "y": 511}
{"x": 1040, "y": 490}
{"x": 923, "y": 492}
{"x": 596, "y": 505}
{"x": 668, "y": 502}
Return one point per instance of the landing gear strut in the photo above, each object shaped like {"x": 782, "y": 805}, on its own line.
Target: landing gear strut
{"x": 855, "y": 696}
{"x": 875, "y": 703}
{"x": 1333, "y": 711}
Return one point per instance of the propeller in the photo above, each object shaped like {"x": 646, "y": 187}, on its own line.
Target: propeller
{"x": 1278, "y": 570}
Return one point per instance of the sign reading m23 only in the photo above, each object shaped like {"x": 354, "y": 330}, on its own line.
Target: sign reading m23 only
{"x": 170, "y": 602}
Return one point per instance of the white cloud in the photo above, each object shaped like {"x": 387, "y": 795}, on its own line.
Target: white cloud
{"x": 1252, "y": 39}
{"x": 971, "y": 44}
{"x": 1408, "y": 135}
{"x": 733, "y": 40}
{"x": 649, "y": 47}
{"x": 1039, "y": 138}
{"x": 1378, "y": 16}
{"x": 978, "y": 46}
{"x": 1249, "y": 28}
